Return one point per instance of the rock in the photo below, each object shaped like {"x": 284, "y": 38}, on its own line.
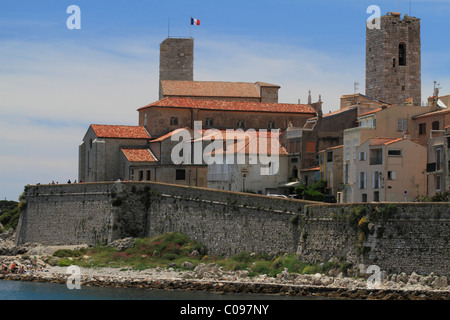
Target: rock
{"x": 440, "y": 283}
{"x": 194, "y": 253}
{"x": 123, "y": 244}
{"x": 402, "y": 277}
{"x": 187, "y": 265}
{"x": 413, "y": 278}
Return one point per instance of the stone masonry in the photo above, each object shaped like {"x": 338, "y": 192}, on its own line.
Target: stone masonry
{"x": 400, "y": 237}
{"x": 176, "y": 61}
{"x": 393, "y": 60}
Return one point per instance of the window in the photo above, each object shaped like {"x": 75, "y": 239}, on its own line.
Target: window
{"x": 422, "y": 128}
{"x": 362, "y": 180}
{"x": 376, "y": 179}
{"x": 376, "y": 196}
{"x": 291, "y": 147}
{"x": 180, "y": 174}
{"x": 391, "y": 175}
{"x": 329, "y": 156}
{"x": 362, "y": 156}
{"x": 435, "y": 125}
{"x": 376, "y": 156}
{"x": 141, "y": 175}
{"x": 173, "y": 121}
{"x": 347, "y": 150}
{"x": 209, "y": 122}
{"x": 395, "y": 152}
{"x": 437, "y": 183}
{"x": 364, "y": 197}
{"x": 355, "y": 145}
{"x": 393, "y": 63}
{"x": 346, "y": 174}
{"x": 402, "y": 54}
{"x": 438, "y": 158}
{"x": 145, "y": 119}
{"x": 271, "y": 125}
{"x": 402, "y": 124}
{"x": 148, "y": 175}
{"x": 240, "y": 124}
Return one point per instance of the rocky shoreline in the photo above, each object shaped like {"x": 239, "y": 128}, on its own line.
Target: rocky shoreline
{"x": 211, "y": 277}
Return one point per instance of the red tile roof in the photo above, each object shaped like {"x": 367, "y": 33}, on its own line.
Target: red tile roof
{"x": 433, "y": 113}
{"x": 169, "y": 134}
{"x": 383, "y": 141}
{"x": 252, "y": 145}
{"x": 138, "y": 155}
{"x": 209, "y": 89}
{"x": 120, "y": 131}
{"x": 310, "y": 169}
{"x": 231, "y": 106}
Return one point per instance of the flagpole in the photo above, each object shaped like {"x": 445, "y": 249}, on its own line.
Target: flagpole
{"x": 190, "y": 27}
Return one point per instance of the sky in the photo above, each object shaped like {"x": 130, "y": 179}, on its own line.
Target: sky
{"x": 55, "y": 81}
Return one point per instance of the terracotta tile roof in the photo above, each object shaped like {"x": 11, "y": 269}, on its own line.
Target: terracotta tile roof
{"x": 231, "y": 106}
{"x": 433, "y": 113}
{"x": 168, "y": 135}
{"x": 252, "y": 145}
{"x": 120, "y": 131}
{"x": 331, "y": 148}
{"x": 337, "y": 112}
{"x": 138, "y": 155}
{"x": 311, "y": 169}
{"x": 382, "y": 141}
{"x": 388, "y": 141}
{"x": 209, "y": 89}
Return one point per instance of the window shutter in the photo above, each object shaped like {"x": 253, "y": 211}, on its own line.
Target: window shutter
{"x": 399, "y": 124}
{"x": 359, "y": 181}
{"x": 365, "y": 180}
{"x": 373, "y": 179}
{"x": 393, "y": 175}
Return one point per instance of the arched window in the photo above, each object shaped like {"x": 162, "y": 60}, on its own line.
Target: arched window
{"x": 435, "y": 125}
{"x": 145, "y": 119}
{"x": 402, "y": 54}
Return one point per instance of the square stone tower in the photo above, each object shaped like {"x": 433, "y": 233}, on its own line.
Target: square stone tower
{"x": 393, "y": 65}
{"x": 176, "y": 60}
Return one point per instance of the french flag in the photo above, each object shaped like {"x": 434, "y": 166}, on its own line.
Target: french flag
{"x": 195, "y": 22}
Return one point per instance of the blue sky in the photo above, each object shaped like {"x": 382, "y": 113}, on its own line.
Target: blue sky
{"x": 55, "y": 82}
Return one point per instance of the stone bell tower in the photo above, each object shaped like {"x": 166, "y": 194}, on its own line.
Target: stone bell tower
{"x": 393, "y": 60}
{"x": 176, "y": 60}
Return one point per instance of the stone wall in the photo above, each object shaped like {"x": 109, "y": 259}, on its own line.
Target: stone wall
{"x": 401, "y": 237}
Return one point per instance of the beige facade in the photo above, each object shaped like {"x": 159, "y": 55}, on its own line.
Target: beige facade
{"x": 385, "y": 171}
{"x": 330, "y": 163}
{"x": 248, "y": 163}
{"x": 431, "y": 124}
{"x": 99, "y": 151}
{"x": 390, "y": 121}
{"x": 438, "y": 167}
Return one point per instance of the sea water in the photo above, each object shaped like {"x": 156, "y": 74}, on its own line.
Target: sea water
{"x": 24, "y": 290}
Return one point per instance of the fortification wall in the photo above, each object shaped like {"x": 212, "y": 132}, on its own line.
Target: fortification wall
{"x": 401, "y": 237}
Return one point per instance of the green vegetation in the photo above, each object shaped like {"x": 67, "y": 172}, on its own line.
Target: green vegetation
{"x": 314, "y": 192}
{"x": 9, "y": 214}
{"x": 443, "y": 196}
{"x": 172, "y": 249}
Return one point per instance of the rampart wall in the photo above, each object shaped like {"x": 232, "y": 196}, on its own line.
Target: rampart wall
{"x": 400, "y": 237}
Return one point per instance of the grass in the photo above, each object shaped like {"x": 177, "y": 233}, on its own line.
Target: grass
{"x": 172, "y": 249}
{"x": 9, "y": 214}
